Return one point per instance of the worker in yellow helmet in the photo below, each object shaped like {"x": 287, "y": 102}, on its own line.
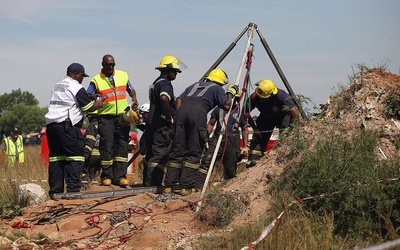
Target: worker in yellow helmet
{"x": 190, "y": 134}
{"x": 277, "y": 109}
{"x": 160, "y": 119}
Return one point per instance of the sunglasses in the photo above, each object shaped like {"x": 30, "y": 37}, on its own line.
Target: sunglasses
{"x": 109, "y": 64}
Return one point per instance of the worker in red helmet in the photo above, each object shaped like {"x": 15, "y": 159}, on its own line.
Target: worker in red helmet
{"x": 277, "y": 109}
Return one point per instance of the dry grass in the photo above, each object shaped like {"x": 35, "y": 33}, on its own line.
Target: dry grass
{"x": 33, "y": 170}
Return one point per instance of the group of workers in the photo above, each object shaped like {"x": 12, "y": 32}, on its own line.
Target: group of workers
{"x": 176, "y": 142}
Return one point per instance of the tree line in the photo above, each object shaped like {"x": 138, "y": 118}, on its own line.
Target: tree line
{"x": 20, "y": 108}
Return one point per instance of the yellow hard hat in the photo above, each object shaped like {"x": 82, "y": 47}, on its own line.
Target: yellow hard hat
{"x": 218, "y": 75}
{"x": 130, "y": 116}
{"x": 171, "y": 62}
{"x": 266, "y": 88}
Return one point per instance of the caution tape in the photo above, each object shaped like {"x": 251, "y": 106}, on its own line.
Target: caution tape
{"x": 44, "y": 181}
{"x": 268, "y": 228}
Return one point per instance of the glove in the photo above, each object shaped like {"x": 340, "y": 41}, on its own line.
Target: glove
{"x": 244, "y": 154}
{"x": 135, "y": 108}
{"x": 245, "y": 151}
{"x": 234, "y": 90}
{"x": 130, "y": 116}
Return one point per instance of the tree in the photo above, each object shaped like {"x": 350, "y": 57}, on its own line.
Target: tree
{"x": 8, "y": 101}
{"x": 20, "y": 108}
{"x": 28, "y": 118}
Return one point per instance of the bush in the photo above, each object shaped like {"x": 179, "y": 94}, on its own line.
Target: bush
{"x": 392, "y": 104}
{"x": 221, "y": 208}
{"x": 349, "y": 166}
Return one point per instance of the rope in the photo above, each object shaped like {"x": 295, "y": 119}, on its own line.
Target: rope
{"x": 237, "y": 107}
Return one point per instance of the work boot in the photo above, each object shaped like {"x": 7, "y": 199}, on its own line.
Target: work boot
{"x": 196, "y": 190}
{"x": 167, "y": 190}
{"x": 123, "y": 182}
{"x": 185, "y": 192}
{"x": 106, "y": 182}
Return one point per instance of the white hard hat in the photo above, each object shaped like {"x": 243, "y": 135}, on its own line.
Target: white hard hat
{"x": 145, "y": 108}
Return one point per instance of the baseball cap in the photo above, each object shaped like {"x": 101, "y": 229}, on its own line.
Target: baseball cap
{"x": 15, "y": 129}
{"x": 77, "y": 67}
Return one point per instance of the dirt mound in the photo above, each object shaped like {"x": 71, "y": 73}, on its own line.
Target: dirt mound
{"x": 151, "y": 221}
{"x": 362, "y": 105}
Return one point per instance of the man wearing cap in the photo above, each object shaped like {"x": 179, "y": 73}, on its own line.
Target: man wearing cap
{"x": 13, "y": 146}
{"x": 111, "y": 86}
{"x": 69, "y": 100}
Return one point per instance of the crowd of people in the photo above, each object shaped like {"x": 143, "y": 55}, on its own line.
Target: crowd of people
{"x": 176, "y": 142}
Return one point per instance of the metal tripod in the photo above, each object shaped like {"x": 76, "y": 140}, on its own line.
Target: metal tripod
{"x": 250, "y": 29}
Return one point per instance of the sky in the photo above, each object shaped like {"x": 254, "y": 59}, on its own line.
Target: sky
{"x": 316, "y": 43}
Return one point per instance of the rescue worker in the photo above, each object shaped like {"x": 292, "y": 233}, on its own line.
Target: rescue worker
{"x": 190, "y": 133}
{"x": 110, "y": 85}
{"x": 13, "y": 146}
{"x": 91, "y": 152}
{"x": 143, "y": 114}
{"x": 229, "y": 148}
{"x": 277, "y": 109}
{"x": 64, "y": 119}
{"x": 161, "y": 115}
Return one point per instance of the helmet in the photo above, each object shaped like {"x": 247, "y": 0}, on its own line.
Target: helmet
{"x": 266, "y": 88}
{"x": 171, "y": 62}
{"x": 130, "y": 116}
{"x": 145, "y": 108}
{"x": 230, "y": 85}
{"x": 218, "y": 75}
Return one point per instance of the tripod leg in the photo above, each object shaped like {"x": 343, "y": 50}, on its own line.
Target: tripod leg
{"x": 280, "y": 72}
{"x": 225, "y": 53}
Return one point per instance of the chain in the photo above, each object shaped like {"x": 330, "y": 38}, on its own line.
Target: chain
{"x": 163, "y": 198}
{"x": 117, "y": 217}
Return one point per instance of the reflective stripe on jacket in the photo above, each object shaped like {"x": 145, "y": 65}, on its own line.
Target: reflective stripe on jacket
{"x": 15, "y": 149}
{"x": 113, "y": 95}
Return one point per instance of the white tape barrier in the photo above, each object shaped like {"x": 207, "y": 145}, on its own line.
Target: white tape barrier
{"x": 268, "y": 229}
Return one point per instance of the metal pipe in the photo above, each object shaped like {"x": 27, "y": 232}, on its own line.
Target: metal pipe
{"x": 211, "y": 167}
{"x": 225, "y": 53}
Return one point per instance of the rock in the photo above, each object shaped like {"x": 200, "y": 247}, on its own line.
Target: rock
{"x": 35, "y": 193}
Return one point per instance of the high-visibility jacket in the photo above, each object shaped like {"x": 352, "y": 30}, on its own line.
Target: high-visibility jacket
{"x": 63, "y": 103}
{"x": 15, "y": 149}
{"x": 113, "y": 95}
